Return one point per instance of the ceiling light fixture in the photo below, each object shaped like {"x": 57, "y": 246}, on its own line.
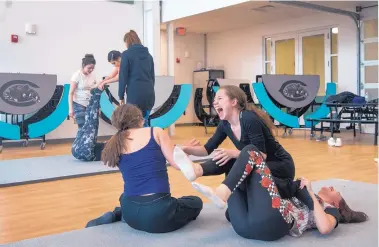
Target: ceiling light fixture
{"x": 335, "y": 30}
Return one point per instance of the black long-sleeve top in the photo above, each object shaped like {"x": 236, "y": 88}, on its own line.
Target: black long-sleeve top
{"x": 253, "y": 131}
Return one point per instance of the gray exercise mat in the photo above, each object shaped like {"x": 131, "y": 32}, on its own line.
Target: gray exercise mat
{"x": 49, "y": 168}
{"x": 41, "y": 169}
{"x": 212, "y": 229}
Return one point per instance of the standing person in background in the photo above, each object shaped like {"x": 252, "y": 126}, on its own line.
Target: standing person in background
{"x": 82, "y": 81}
{"x": 114, "y": 58}
{"x": 137, "y": 76}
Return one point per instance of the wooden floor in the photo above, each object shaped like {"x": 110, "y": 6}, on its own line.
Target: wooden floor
{"x": 34, "y": 210}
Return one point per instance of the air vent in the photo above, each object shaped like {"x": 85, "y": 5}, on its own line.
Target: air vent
{"x": 123, "y": 1}
{"x": 264, "y": 8}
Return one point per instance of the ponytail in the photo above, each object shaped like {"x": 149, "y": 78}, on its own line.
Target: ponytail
{"x": 350, "y": 216}
{"x": 125, "y": 117}
{"x": 113, "y": 150}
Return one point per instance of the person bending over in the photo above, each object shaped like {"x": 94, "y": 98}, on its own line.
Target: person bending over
{"x": 114, "y": 58}
{"x": 245, "y": 125}
{"x": 137, "y": 76}
{"x": 81, "y": 83}
{"x": 85, "y": 146}
{"x": 140, "y": 154}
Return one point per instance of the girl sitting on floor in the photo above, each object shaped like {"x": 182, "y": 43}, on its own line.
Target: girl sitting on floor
{"x": 140, "y": 154}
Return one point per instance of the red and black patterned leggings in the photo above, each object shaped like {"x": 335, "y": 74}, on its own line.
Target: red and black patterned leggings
{"x": 256, "y": 210}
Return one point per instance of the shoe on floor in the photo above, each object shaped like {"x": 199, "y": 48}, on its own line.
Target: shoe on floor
{"x": 331, "y": 142}
{"x": 338, "y": 142}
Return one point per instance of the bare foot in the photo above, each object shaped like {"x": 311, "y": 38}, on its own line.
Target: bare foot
{"x": 198, "y": 169}
{"x": 210, "y": 194}
{"x": 223, "y": 192}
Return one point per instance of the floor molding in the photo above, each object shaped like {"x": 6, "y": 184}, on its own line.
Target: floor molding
{"x": 37, "y": 142}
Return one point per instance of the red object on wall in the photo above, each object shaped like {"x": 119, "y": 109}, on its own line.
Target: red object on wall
{"x": 181, "y": 31}
{"x": 14, "y": 38}
{"x": 177, "y": 60}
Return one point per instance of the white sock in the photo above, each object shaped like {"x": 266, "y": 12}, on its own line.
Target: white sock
{"x": 209, "y": 193}
{"x": 184, "y": 163}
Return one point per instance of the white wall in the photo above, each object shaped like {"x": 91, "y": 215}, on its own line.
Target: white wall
{"x": 66, "y": 30}
{"x": 240, "y": 52}
{"x": 193, "y": 44}
{"x": 176, "y": 9}
{"x": 164, "y": 58}
{"x": 152, "y": 31}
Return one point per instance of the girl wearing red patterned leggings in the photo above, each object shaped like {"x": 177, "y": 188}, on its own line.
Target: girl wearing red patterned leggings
{"x": 257, "y": 211}
{"x": 259, "y": 186}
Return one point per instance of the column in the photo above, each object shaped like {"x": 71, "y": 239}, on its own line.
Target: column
{"x": 170, "y": 61}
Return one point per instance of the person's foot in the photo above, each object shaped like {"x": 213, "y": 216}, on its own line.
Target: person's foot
{"x": 118, "y": 214}
{"x": 184, "y": 163}
{"x": 210, "y": 194}
{"x": 106, "y": 218}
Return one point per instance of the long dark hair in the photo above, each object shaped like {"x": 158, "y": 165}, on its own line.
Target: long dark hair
{"x": 124, "y": 118}
{"x": 350, "y": 216}
{"x": 237, "y": 93}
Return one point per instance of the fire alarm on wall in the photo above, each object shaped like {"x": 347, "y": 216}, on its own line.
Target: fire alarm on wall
{"x": 14, "y": 38}
{"x": 181, "y": 31}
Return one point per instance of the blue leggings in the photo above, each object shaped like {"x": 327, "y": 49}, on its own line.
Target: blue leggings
{"x": 146, "y": 115}
{"x": 85, "y": 147}
{"x": 79, "y": 113}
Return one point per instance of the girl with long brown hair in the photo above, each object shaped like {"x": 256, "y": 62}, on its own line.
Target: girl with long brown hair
{"x": 250, "y": 130}
{"x": 140, "y": 154}
{"x": 264, "y": 202}
{"x": 244, "y": 124}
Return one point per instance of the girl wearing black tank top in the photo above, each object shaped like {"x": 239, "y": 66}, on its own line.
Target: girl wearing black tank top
{"x": 140, "y": 154}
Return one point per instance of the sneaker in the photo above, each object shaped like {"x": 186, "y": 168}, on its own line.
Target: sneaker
{"x": 331, "y": 142}
{"x": 338, "y": 142}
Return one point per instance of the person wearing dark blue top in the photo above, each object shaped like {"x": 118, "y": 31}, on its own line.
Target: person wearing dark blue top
{"x": 140, "y": 154}
{"x": 136, "y": 75}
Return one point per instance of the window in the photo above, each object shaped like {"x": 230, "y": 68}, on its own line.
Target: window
{"x": 267, "y": 56}
{"x": 369, "y": 58}
{"x": 307, "y": 58}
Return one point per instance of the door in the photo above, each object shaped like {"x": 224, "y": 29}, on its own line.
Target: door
{"x": 284, "y": 54}
{"x": 369, "y": 58}
{"x": 314, "y": 56}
